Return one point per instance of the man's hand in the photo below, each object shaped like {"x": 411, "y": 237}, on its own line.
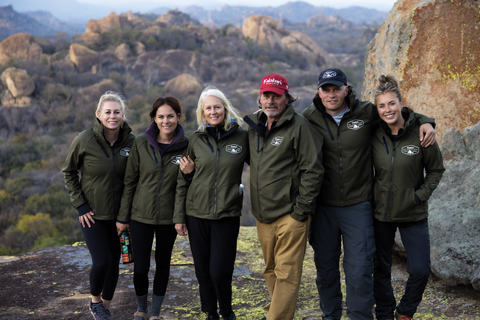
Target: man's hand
{"x": 427, "y": 135}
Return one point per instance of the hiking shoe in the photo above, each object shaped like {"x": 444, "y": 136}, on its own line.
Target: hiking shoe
{"x": 232, "y": 316}
{"x": 99, "y": 312}
{"x": 399, "y": 316}
{"x": 213, "y": 316}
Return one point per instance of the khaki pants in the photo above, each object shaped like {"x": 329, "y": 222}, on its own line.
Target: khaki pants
{"x": 283, "y": 242}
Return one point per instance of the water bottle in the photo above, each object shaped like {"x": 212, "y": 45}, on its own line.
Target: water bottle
{"x": 126, "y": 247}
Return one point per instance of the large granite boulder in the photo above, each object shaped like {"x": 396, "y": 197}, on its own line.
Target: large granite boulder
{"x": 83, "y": 57}
{"x": 454, "y": 208}
{"x": 20, "y": 85}
{"x": 432, "y": 47}
{"x": 267, "y": 32}
{"x": 20, "y": 46}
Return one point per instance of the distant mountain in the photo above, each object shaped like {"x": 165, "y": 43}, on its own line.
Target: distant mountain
{"x": 66, "y": 10}
{"x": 293, "y": 11}
{"x": 47, "y": 19}
{"x": 12, "y": 22}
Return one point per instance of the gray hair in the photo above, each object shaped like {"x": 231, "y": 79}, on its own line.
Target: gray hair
{"x": 291, "y": 100}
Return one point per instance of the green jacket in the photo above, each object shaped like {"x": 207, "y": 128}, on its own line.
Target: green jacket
{"x": 347, "y": 156}
{"x": 102, "y": 169}
{"x": 151, "y": 179}
{"x": 214, "y": 191}
{"x": 399, "y": 172}
{"x": 285, "y": 166}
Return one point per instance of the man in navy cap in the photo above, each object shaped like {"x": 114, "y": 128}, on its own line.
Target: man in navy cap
{"x": 344, "y": 210}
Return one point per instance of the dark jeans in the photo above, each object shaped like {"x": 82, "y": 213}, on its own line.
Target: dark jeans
{"x": 214, "y": 248}
{"x": 142, "y": 239}
{"x": 353, "y": 225}
{"x": 104, "y": 246}
{"x": 416, "y": 241}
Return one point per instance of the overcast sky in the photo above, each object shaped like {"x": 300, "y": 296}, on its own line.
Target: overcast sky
{"x": 382, "y": 5}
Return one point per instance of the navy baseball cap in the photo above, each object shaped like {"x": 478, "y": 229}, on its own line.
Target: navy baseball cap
{"x": 332, "y": 76}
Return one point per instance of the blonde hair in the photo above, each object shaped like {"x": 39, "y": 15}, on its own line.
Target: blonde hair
{"x": 388, "y": 84}
{"x": 112, "y": 96}
{"x": 230, "y": 111}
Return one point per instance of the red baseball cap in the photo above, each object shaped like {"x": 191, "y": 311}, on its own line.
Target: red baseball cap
{"x": 274, "y": 83}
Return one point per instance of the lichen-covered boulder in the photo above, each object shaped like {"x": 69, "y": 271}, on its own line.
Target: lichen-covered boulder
{"x": 432, "y": 47}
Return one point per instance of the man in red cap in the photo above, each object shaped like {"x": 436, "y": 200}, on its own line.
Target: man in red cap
{"x": 285, "y": 176}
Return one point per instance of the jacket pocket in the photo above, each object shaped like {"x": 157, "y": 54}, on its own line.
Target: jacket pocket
{"x": 404, "y": 203}
{"x": 199, "y": 198}
{"x": 276, "y": 194}
{"x": 229, "y": 198}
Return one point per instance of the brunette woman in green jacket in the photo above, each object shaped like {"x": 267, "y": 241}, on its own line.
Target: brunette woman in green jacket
{"x": 401, "y": 191}
{"x": 214, "y": 164}
{"x": 149, "y": 200}
{"x": 101, "y": 155}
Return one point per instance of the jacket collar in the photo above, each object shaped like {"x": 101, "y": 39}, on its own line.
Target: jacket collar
{"x": 98, "y": 131}
{"x": 410, "y": 122}
{"x": 152, "y": 133}
{"x": 258, "y": 120}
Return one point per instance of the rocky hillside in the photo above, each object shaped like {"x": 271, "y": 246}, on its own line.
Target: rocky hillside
{"x": 49, "y": 88}
{"x": 47, "y": 19}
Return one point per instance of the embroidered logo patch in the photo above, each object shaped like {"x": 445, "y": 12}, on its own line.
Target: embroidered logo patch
{"x": 355, "y": 124}
{"x": 176, "y": 160}
{"x": 233, "y": 148}
{"x": 276, "y": 141}
{"x": 410, "y": 150}
{"x": 125, "y": 152}
{"x": 329, "y": 74}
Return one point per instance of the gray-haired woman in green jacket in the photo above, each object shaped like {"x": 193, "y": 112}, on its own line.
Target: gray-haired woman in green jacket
{"x": 214, "y": 164}
{"x": 401, "y": 191}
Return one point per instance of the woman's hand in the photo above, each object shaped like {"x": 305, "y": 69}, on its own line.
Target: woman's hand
{"x": 181, "y": 229}
{"x": 121, "y": 227}
{"x": 87, "y": 218}
{"x": 187, "y": 165}
{"x": 427, "y": 135}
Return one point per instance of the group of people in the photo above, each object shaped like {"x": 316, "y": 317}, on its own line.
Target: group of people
{"x": 344, "y": 170}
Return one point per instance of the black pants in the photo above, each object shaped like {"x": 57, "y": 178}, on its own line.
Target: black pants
{"x": 214, "y": 248}
{"x": 416, "y": 241}
{"x": 104, "y": 246}
{"x": 142, "y": 239}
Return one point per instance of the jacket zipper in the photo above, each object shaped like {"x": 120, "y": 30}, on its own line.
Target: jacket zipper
{"x": 159, "y": 190}
{"x": 103, "y": 149}
{"x": 113, "y": 175}
{"x": 390, "y": 182}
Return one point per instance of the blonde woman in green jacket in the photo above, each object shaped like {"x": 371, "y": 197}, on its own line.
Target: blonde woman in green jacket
{"x": 149, "y": 200}
{"x": 401, "y": 191}
{"x": 101, "y": 155}
{"x": 214, "y": 164}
